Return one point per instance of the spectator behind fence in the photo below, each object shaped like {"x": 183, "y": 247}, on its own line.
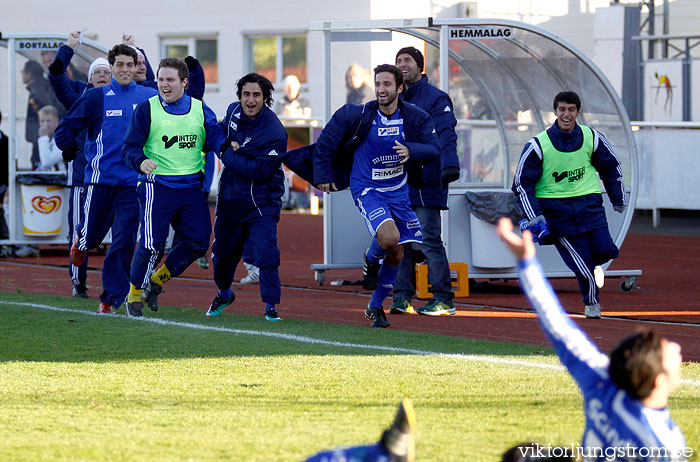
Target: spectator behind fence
{"x": 359, "y": 92}
{"x": 40, "y": 95}
{"x": 292, "y": 103}
{"x": 50, "y": 157}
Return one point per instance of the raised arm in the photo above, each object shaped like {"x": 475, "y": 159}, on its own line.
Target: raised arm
{"x": 581, "y": 357}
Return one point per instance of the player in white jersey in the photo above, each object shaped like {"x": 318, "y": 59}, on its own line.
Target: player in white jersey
{"x": 626, "y": 395}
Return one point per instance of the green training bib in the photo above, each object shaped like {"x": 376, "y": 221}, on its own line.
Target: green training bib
{"x": 175, "y": 142}
{"x": 567, "y": 174}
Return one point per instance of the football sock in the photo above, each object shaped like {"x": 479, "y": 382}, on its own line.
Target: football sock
{"x": 134, "y": 294}
{"x": 385, "y": 282}
{"x": 226, "y": 293}
{"x": 162, "y": 275}
{"x": 375, "y": 253}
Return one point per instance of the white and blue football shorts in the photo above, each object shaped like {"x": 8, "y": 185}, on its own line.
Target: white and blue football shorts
{"x": 376, "y": 209}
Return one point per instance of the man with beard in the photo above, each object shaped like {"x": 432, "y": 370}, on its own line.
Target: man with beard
{"x": 250, "y": 194}
{"x": 381, "y": 144}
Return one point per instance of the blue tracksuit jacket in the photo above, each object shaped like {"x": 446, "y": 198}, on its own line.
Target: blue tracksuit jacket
{"x": 349, "y": 126}
{"x": 68, "y": 91}
{"x": 438, "y": 104}
{"x": 252, "y": 181}
{"x": 573, "y": 215}
{"x": 138, "y": 132}
{"x": 614, "y": 420}
{"x": 106, "y": 112}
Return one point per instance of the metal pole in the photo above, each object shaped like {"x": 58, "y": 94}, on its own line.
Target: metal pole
{"x": 686, "y": 82}
{"x": 327, "y": 199}
{"x": 650, "y": 5}
{"x": 13, "y": 141}
{"x": 445, "y": 58}
{"x": 665, "y": 27}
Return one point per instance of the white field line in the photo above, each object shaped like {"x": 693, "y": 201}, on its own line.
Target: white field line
{"x": 316, "y": 341}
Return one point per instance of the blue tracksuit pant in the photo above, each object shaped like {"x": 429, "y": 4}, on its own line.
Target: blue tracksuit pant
{"x": 582, "y": 253}
{"x": 230, "y": 234}
{"x": 78, "y": 274}
{"x": 187, "y": 211}
{"x": 117, "y": 208}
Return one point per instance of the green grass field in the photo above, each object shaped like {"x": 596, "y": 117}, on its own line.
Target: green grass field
{"x": 78, "y": 386}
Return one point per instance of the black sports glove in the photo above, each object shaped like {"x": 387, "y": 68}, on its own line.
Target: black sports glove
{"x": 56, "y": 67}
{"x": 448, "y": 175}
{"x": 191, "y": 61}
{"x": 70, "y": 152}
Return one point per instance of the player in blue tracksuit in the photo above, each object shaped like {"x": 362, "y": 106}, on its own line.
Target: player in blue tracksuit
{"x": 393, "y": 132}
{"x": 397, "y": 443}
{"x": 164, "y": 145}
{"x": 428, "y": 200}
{"x": 559, "y": 191}
{"x": 110, "y": 197}
{"x": 250, "y": 191}
{"x": 625, "y": 397}
{"x": 68, "y": 91}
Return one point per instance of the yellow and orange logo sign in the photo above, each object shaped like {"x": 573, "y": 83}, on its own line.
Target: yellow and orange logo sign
{"x": 46, "y": 204}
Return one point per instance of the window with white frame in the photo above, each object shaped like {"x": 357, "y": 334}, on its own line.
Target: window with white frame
{"x": 277, "y": 55}
{"x": 202, "y": 47}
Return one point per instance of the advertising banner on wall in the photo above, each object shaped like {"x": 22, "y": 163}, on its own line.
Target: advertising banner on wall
{"x": 663, "y": 91}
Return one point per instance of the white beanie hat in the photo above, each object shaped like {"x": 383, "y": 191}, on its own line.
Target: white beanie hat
{"x": 99, "y": 62}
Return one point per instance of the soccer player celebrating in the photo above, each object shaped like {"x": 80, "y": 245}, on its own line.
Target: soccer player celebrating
{"x": 110, "y": 198}
{"x": 379, "y": 143}
{"x": 557, "y": 184}
{"x": 164, "y": 144}
{"x": 250, "y": 194}
{"x": 625, "y": 396}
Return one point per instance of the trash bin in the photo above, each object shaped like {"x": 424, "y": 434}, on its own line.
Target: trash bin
{"x": 44, "y": 203}
{"x": 485, "y": 209}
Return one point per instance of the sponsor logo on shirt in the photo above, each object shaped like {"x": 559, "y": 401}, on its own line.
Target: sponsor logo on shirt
{"x": 247, "y": 140}
{"x": 237, "y": 115}
{"x": 385, "y": 173}
{"x": 110, "y": 93}
{"x": 447, "y": 109}
{"x": 234, "y": 125}
{"x": 572, "y": 175}
{"x": 388, "y": 131}
{"x": 272, "y": 153}
{"x": 113, "y": 113}
{"x": 185, "y": 141}
{"x": 376, "y": 213}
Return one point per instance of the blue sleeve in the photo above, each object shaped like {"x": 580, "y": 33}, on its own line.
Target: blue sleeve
{"x": 443, "y": 115}
{"x": 427, "y": 147}
{"x": 609, "y": 169}
{"x": 196, "y": 81}
{"x": 214, "y": 134}
{"x": 136, "y": 136}
{"x": 67, "y": 91}
{"x": 586, "y": 364}
{"x": 261, "y": 165}
{"x": 61, "y": 60}
{"x": 150, "y": 76}
{"x": 83, "y": 113}
{"x": 527, "y": 174}
{"x": 331, "y": 138}
{"x": 209, "y": 167}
